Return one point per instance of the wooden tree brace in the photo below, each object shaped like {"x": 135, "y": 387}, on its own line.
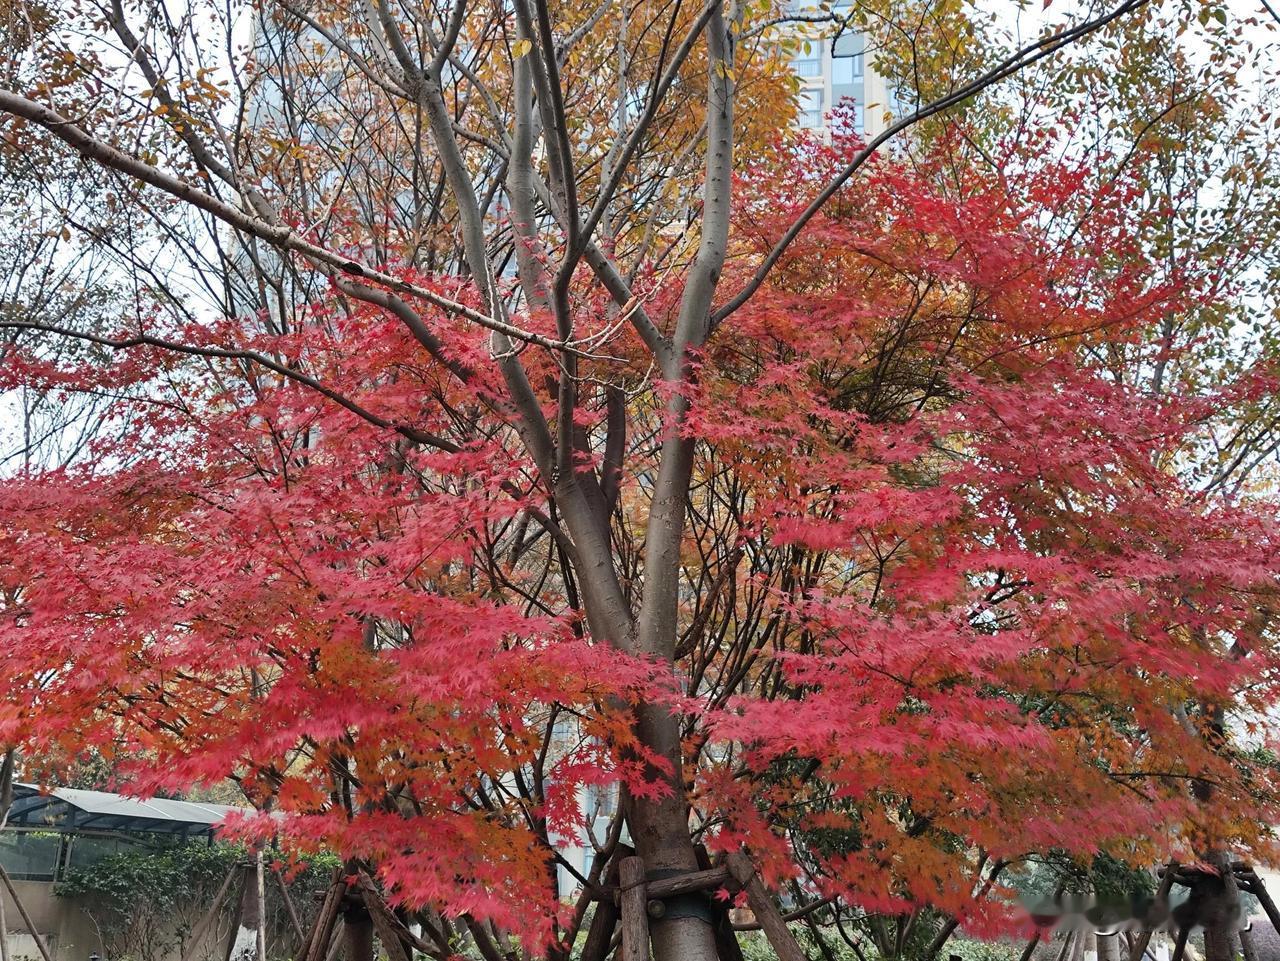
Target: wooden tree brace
{"x": 660, "y": 889}
{"x": 687, "y": 883}
{"x": 289, "y": 906}
{"x": 198, "y": 932}
{"x": 392, "y": 942}
{"x": 485, "y": 943}
{"x": 634, "y": 909}
{"x": 1259, "y": 891}
{"x": 389, "y": 927}
{"x": 771, "y": 921}
{"x": 326, "y": 920}
{"x": 1181, "y": 946}
{"x": 1167, "y": 876}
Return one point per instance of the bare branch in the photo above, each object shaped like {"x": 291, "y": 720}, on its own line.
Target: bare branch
{"x": 277, "y": 235}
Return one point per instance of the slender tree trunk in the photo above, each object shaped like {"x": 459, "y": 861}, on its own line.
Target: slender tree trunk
{"x": 260, "y": 904}
{"x": 244, "y": 939}
{"x": 1247, "y": 948}
{"x": 660, "y": 828}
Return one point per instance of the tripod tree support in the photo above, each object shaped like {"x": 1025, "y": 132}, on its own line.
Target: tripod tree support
{"x": 635, "y": 916}
{"x": 1162, "y": 896}
{"x": 294, "y": 920}
{"x": 317, "y": 942}
{"x": 771, "y": 920}
{"x": 1248, "y": 880}
{"x": 727, "y": 946}
{"x": 201, "y": 928}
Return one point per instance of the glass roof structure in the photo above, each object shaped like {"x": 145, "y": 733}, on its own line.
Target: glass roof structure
{"x": 72, "y": 811}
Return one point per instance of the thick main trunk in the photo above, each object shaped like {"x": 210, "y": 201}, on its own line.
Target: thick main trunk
{"x": 1221, "y": 911}
{"x": 660, "y": 827}
{"x": 660, "y": 832}
{"x": 357, "y": 934}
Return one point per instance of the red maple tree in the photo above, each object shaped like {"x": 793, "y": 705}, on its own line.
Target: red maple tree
{"x": 938, "y": 596}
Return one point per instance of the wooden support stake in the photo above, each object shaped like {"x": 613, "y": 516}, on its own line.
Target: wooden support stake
{"x": 1181, "y": 946}
{"x": 634, "y": 910}
{"x": 1162, "y": 896}
{"x": 4, "y": 935}
{"x": 771, "y": 921}
{"x": 663, "y": 888}
{"x": 687, "y": 883}
{"x": 486, "y": 945}
{"x": 198, "y": 932}
{"x": 1247, "y": 947}
{"x": 440, "y": 933}
{"x": 335, "y": 945}
{"x": 1259, "y": 891}
{"x": 322, "y": 930}
{"x": 392, "y": 943}
{"x": 26, "y": 918}
{"x": 288, "y": 906}
{"x": 727, "y": 946}
{"x": 384, "y": 922}
{"x": 304, "y": 949}
{"x": 1068, "y": 941}
{"x": 378, "y": 907}
{"x": 603, "y": 923}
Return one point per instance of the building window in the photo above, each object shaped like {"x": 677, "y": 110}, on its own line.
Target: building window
{"x": 808, "y": 60}
{"x": 599, "y": 801}
{"x": 810, "y": 104}
{"x": 564, "y": 732}
{"x": 846, "y": 69}
{"x": 847, "y": 58}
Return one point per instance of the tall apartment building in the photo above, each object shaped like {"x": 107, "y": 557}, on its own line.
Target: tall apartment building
{"x": 832, "y": 69}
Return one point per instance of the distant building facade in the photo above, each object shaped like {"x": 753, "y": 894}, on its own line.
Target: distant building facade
{"x": 836, "y": 68}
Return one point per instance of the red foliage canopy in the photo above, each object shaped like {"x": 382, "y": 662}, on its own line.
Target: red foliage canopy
{"x": 946, "y": 591}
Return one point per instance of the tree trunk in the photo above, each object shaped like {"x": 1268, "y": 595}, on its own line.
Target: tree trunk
{"x": 1221, "y": 910}
{"x": 660, "y": 833}
{"x": 357, "y": 933}
{"x": 1247, "y": 948}
{"x": 1090, "y": 946}
{"x": 244, "y": 939}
